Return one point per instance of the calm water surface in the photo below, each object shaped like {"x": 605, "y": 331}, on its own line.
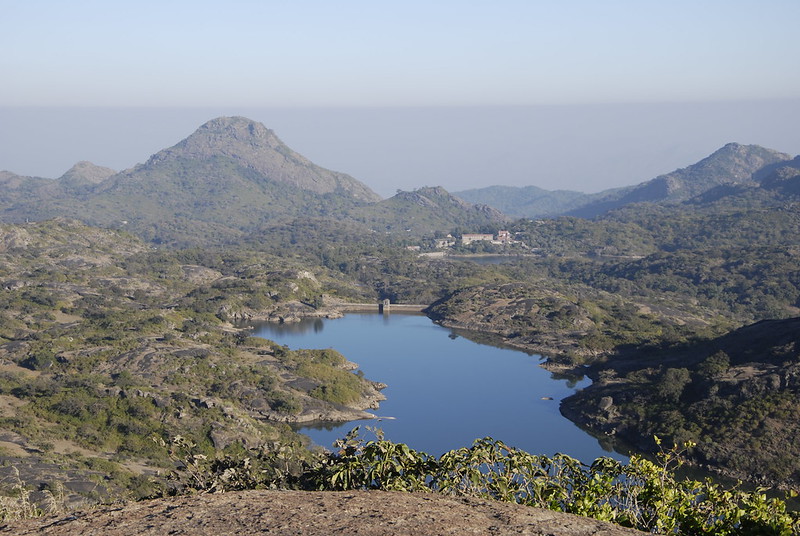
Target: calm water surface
{"x": 444, "y": 390}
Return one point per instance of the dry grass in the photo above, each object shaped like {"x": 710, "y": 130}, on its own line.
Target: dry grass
{"x": 16, "y": 501}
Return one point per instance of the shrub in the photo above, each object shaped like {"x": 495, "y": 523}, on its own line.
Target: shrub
{"x": 642, "y": 494}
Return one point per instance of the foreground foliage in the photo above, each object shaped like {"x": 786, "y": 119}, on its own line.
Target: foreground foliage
{"x": 642, "y": 494}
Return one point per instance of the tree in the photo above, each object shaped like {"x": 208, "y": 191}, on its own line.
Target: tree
{"x": 672, "y": 383}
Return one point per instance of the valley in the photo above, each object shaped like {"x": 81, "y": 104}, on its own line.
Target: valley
{"x": 121, "y": 294}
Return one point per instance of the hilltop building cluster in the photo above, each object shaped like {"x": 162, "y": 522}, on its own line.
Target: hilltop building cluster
{"x": 502, "y": 237}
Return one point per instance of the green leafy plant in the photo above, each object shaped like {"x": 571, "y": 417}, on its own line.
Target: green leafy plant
{"x": 375, "y": 464}
{"x": 643, "y": 494}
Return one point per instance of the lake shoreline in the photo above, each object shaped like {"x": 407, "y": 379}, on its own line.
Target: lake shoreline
{"x": 419, "y": 402}
{"x": 585, "y": 420}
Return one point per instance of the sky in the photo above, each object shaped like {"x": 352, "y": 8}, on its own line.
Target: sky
{"x": 574, "y": 94}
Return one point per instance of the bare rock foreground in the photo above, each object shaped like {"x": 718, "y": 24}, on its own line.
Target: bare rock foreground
{"x": 315, "y": 514}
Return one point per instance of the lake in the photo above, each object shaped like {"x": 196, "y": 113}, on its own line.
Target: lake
{"x": 444, "y": 390}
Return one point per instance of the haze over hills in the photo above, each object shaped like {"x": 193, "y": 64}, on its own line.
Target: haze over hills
{"x": 233, "y": 177}
{"x": 228, "y": 178}
{"x": 732, "y": 166}
{"x": 526, "y": 201}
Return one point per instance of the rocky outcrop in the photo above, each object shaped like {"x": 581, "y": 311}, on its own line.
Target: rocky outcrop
{"x": 373, "y": 513}
{"x": 520, "y": 315}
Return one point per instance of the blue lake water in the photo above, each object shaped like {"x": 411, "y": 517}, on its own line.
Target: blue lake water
{"x": 444, "y": 390}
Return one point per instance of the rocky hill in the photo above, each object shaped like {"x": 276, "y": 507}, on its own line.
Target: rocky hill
{"x": 18, "y": 188}
{"x": 732, "y": 165}
{"x": 727, "y": 171}
{"x": 426, "y": 209}
{"x": 249, "y": 145}
{"x": 228, "y": 177}
{"x": 84, "y": 175}
{"x": 224, "y": 180}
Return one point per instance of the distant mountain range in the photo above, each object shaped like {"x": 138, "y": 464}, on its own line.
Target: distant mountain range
{"x": 526, "y": 201}
{"x": 231, "y": 177}
{"x": 732, "y": 170}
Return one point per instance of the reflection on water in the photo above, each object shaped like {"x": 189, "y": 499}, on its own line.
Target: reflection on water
{"x": 572, "y": 379}
{"x": 306, "y": 325}
{"x": 487, "y": 339}
{"x": 444, "y": 389}
{"x": 326, "y": 426}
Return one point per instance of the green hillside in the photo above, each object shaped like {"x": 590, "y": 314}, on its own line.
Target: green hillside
{"x": 426, "y": 210}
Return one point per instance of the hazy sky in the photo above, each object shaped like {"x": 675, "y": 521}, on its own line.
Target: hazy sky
{"x": 431, "y": 76}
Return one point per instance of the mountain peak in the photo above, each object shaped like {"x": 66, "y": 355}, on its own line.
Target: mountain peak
{"x": 735, "y": 162}
{"x": 252, "y": 146}
{"x": 731, "y": 164}
{"x": 238, "y": 128}
{"x": 239, "y": 138}
{"x": 85, "y": 173}
{"x": 732, "y": 146}
{"x": 432, "y": 196}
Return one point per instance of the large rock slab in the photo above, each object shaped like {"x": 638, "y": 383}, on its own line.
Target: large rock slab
{"x": 316, "y": 514}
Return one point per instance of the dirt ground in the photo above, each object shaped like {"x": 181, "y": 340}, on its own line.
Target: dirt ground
{"x": 315, "y": 514}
